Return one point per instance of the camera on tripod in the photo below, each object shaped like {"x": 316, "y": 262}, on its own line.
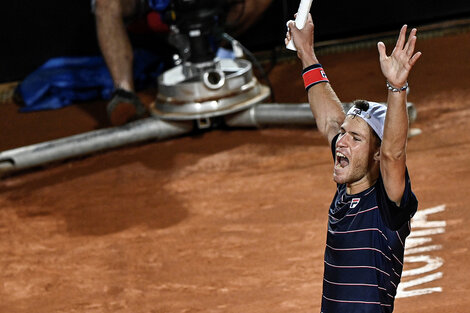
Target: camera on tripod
{"x": 196, "y": 27}
{"x": 201, "y": 85}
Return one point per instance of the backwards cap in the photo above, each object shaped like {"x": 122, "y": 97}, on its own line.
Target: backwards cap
{"x": 374, "y": 116}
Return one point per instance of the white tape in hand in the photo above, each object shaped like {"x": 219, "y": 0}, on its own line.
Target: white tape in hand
{"x": 301, "y": 18}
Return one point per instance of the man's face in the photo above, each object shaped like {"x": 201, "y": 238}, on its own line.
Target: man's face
{"x": 355, "y": 150}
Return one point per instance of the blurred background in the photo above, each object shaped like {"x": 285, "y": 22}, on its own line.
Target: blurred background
{"x": 35, "y": 31}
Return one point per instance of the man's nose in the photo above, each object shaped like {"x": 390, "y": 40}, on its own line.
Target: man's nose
{"x": 342, "y": 140}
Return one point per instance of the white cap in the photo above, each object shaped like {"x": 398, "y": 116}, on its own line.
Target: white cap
{"x": 374, "y": 116}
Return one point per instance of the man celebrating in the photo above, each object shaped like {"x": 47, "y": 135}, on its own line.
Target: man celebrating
{"x": 369, "y": 216}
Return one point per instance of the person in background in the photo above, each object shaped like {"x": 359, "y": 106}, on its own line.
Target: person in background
{"x": 112, "y": 17}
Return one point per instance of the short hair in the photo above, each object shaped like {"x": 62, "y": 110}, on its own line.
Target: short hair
{"x": 363, "y": 105}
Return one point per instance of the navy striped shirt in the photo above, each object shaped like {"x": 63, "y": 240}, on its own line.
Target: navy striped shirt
{"x": 364, "y": 249}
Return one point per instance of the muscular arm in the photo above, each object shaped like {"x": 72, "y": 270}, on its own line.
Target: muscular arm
{"x": 325, "y": 105}
{"x": 396, "y": 68}
{"x": 393, "y": 150}
{"x": 326, "y": 109}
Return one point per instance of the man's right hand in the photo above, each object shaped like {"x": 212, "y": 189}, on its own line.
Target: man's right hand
{"x": 303, "y": 41}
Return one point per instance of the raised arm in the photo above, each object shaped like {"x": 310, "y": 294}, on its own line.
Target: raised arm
{"x": 396, "y": 68}
{"x": 325, "y": 105}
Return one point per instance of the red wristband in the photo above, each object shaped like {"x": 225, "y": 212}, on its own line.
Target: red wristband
{"x": 313, "y": 75}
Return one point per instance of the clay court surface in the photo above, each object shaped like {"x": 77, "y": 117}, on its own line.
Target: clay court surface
{"x": 229, "y": 220}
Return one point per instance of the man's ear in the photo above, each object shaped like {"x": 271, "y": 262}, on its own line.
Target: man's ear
{"x": 377, "y": 155}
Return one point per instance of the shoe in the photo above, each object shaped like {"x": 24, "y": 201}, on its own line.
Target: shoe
{"x": 124, "y": 107}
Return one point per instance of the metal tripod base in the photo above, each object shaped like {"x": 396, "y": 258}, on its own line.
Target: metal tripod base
{"x": 211, "y": 108}
{"x": 198, "y": 91}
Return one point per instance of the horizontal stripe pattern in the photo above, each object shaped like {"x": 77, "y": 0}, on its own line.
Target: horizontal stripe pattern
{"x": 358, "y": 266}
{"x": 358, "y": 302}
{"x": 362, "y": 263}
{"x": 363, "y": 255}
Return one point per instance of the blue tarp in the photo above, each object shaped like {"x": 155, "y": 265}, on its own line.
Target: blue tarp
{"x": 64, "y": 80}
{"x": 158, "y": 5}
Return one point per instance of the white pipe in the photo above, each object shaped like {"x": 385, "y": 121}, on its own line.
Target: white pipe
{"x": 272, "y": 114}
{"x": 285, "y": 114}
{"x": 259, "y": 115}
{"x": 86, "y": 143}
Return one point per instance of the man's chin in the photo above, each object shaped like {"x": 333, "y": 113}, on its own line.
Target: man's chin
{"x": 339, "y": 179}
{"x": 341, "y": 175}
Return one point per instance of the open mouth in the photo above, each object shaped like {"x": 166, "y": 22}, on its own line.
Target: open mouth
{"x": 341, "y": 160}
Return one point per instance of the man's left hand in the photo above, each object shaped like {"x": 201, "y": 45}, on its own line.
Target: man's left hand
{"x": 397, "y": 66}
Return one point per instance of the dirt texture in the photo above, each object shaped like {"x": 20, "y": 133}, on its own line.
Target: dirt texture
{"x": 228, "y": 220}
